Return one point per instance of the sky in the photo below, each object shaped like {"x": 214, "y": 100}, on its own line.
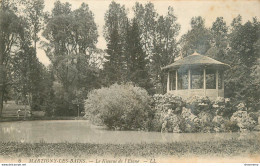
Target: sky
{"x": 183, "y": 9}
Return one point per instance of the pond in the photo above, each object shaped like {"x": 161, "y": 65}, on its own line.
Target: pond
{"x": 53, "y": 131}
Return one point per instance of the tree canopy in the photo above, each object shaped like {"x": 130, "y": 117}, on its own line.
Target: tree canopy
{"x": 138, "y": 46}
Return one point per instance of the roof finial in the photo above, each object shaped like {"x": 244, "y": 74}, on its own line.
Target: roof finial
{"x": 195, "y": 53}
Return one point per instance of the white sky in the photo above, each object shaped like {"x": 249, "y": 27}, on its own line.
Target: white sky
{"x": 183, "y": 9}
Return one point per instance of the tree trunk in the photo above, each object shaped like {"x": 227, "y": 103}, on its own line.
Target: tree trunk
{"x": 1, "y": 74}
{"x": 1, "y": 88}
{"x": 1, "y": 101}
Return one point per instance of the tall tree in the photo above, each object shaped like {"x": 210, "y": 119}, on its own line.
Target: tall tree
{"x": 219, "y": 40}
{"x": 10, "y": 31}
{"x": 165, "y": 48}
{"x": 35, "y": 14}
{"x": 147, "y": 17}
{"x": 26, "y": 75}
{"x": 137, "y": 61}
{"x": 243, "y": 57}
{"x": 115, "y": 34}
{"x": 158, "y": 38}
{"x": 196, "y": 39}
{"x": 115, "y": 17}
{"x": 113, "y": 67}
{"x": 72, "y": 36}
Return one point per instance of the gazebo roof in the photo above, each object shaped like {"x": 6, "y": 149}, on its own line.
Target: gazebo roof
{"x": 195, "y": 60}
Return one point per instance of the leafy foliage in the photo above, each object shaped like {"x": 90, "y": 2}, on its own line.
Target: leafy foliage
{"x": 113, "y": 67}
{"x": 196, "y": 39}
{"x": 120, "y": 107}
{"x": 158, "y": 39}
{"x": 136, "y": 50}
{"x": 71, "y": 36}
{"x": 136, "y": 59}
{"x": 16, "y": 55}
{"x": 240, "y": 81}
{"x": 200, "y": 114}
{"x": 115, "y": 29}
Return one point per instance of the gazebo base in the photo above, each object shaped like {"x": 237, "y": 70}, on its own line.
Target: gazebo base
{"x": 186, "y": 93}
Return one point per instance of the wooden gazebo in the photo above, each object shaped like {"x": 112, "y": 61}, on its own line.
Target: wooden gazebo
{"x": 196, "y": 75}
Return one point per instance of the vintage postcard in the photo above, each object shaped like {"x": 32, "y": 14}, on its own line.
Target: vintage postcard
{"x": 100, "y": 81}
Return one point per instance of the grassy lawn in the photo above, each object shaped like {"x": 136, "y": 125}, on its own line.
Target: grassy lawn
{"x": 221, "y": 148}
{"x": 11, "y": 119}
{"x": 10, "y": 114}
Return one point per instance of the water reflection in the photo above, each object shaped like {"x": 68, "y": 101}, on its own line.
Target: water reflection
{"x": 82, "y": 131}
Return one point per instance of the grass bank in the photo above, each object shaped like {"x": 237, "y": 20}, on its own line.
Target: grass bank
{"x": 12, "y": 119}
{"x": 223, "y": 148}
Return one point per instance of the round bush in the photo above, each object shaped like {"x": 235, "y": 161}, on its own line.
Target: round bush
{"x": 120, "y": 107}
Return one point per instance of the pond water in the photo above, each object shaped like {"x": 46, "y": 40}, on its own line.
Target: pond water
{"x": 82, "y": 131}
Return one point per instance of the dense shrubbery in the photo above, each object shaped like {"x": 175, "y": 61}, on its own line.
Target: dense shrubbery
{"x": 200, "y": 114}
{"x": 199, "y": 104}
{"x": 242, "y": 118}
{"x": 166, "y": 106}
{"x": 130, "y": 108}
{"x": 120, "y": 107}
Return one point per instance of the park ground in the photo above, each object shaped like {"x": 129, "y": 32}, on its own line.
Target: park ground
{"x": 234, "y": 150}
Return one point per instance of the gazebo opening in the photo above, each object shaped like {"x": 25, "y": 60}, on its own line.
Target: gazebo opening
{"x": 196, "y": 75}
{"x": 197, "y": 79}
{"x": 182, "y": 79}
{"x": 210, "y": 79}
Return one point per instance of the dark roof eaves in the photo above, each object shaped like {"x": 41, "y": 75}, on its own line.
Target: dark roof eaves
{"x": 171, "y": 66}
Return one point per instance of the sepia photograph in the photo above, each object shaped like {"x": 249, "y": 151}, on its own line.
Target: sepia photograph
{"x": 116, "y": 81}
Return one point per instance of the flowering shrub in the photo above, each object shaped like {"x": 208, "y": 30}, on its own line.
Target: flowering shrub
{"x": 199, "y": 104}
{"x": 191, "y": 121}
{"x": 198, "y": 114}
{"x": 255, "y": 116}
{"x": 168, "y": 101}
{"x": 206, "y": 124}
{"x": 218, "y": 123}
{"x": 243, "y": 120}
{"x": 241, "y": 107}
{"x": 223, "y": 107}
{"x": 167, "y": 108}
{"x": 156, "y": 123}
{"x": 205, "y": 117}
{"x": 171, "y": 123}
{"x": 129, "y": 107}
{"x": 120, "y": 107}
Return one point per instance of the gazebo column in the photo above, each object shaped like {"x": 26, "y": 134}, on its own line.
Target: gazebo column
{"x": 222, "y": 76}
{"x": 176, "y": 85}
{"x": 168, "y": 82}
{"x": 189, "y": 82}
{"x": 204, "y": 81}
{"x": 217, "y": 83}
